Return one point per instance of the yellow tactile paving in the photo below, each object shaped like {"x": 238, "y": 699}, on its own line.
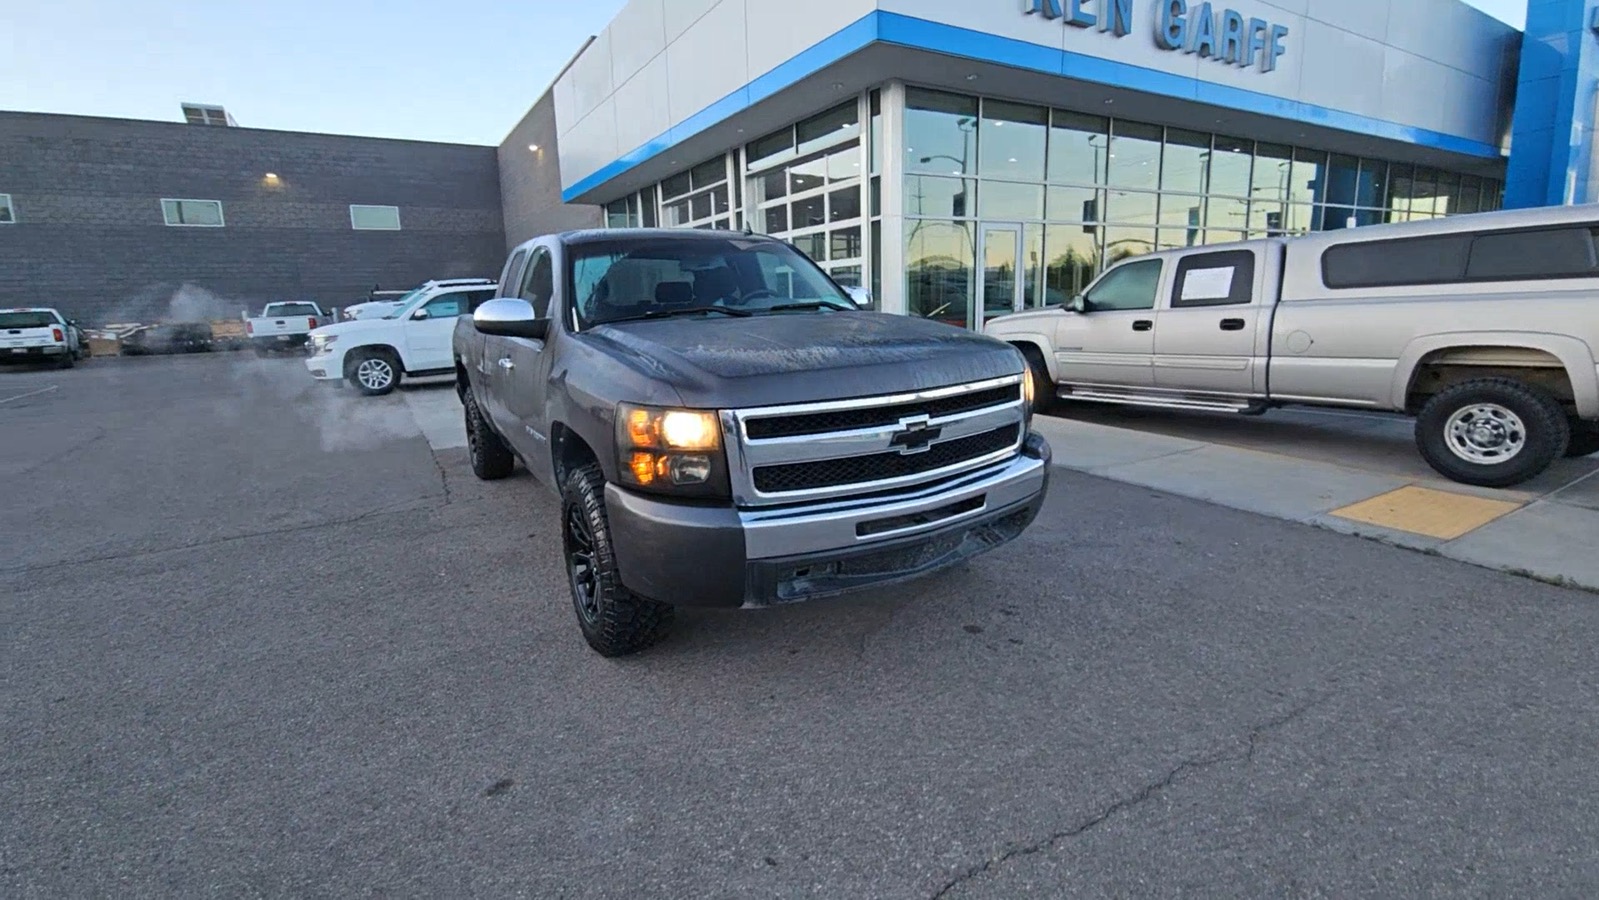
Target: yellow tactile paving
{"x": 1437, "y": 514}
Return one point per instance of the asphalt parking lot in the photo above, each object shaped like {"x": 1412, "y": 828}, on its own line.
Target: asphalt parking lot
{"x": 265, "y": 638}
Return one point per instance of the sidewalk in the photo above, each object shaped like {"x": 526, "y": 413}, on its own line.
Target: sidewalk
{"x": 1550, "y": 536}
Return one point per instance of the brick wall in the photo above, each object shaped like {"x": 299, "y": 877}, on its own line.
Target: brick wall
{"x": 90, "y": 238}
{"x": 530, "y": 181}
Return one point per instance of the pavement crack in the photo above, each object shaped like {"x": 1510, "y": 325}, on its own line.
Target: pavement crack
{"x": 99, "y": 434}
{"x": 211, "y": 542}
{"x": 444, "y": 475}
{"x": 1137, "y": 798}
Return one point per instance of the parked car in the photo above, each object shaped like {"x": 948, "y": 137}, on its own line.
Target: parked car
{"x": 40, "y": 334}
{"x": 373, "y": 355}
{"x": 1484, "y": 327}
{"x": 283, "y": 326}
{"x": 726, "y": 429}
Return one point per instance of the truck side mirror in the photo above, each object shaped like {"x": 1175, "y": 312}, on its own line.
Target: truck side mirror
{"x": 419, "y": 315}
{"x": 861, "y": 296}
{"x": 1078, "y": 305}
{"x": 510, "y": 317}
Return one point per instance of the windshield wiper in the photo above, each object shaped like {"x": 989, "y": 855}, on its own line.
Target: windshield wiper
{"x": 684, "y": 311}
{"x": 812, "y": 306}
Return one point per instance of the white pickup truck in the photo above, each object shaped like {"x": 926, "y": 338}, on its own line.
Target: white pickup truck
{"x": 1484, "y": 327}
{"x": 38, "y": 334}
{"x": 283, "y": 326}
{"x": 373, "y": 355}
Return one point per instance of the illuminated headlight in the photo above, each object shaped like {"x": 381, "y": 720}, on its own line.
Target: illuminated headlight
{"x": 320, "y": 342}
{"x": 1027, "y": 390}
{"x": 671, "y": 450}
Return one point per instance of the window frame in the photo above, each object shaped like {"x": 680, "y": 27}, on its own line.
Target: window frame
{"x": 1112, "y": 272}
{"x": 513, "y": 272}
{"x": 10, "y": 207}
{"x": 529, "y": 270}
{"x": 222, "y": 220}
{"x": 398, "y": 226}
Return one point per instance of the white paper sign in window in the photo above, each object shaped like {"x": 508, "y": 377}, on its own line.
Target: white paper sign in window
{"x": 1208, "y": 284}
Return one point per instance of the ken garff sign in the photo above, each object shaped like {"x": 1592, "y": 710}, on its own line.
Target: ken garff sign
{"x": 1224, "y": 34}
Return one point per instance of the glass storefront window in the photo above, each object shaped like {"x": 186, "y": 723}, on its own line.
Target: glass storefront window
{"x": 876, "y": 136}
{"x": 1230, "y": 165}
{"x": 1079, "y": 148}
{"x": 1372, "y": 190}
{"x": 845, "y": 243}
{"x": 829, "y": 127}
{"x": 1227, "y": 212}
{"x": 771, "y": 145}
{"x": 940, "y": 132}
{"x": 844, "y": 164}
{"x": 807, "y": 176}
{"x": 776, "y": 220}
{"x": 940, "y": 264}
{"x": 1034, "y": 291}
{"x": 712, "y": 171}
{"x": 1009, "y": 201}
{"x": 1075, "y": 204}
{"x": 1272, "y": 174}
{"x": 1135, "y": 156}
{"x": 939, "y": 198}
{"x": 1132, "y": 208}
{"x": 1186, "y": 166}
{"x": 647, "y": 201}
{"x": 1123, "y": 243}
{"x": 809, "y": 212}
{"x": 1182, "y": 211}
{"x": 1448, "y": 190}
{"x": 1011, "y": 141}
{"x": 844, "y": 205}
{"x": 812, "y": 245}
{"x": 1469, "y": 200}
{"x": 1073, "y": 253}
{"x": 1307, "y": 178}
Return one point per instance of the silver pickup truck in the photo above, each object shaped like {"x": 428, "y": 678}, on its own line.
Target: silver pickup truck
{"x": 1483, "y": 327}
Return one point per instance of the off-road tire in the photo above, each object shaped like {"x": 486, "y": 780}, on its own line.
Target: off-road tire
{"x": 352, "y": 371}
{"x": 491, "y": 458}
{"x": 1547, "y": 432}
{"x": 1044, "y": 399}
{"x": 620, "y": 621}
{"x": 1584, "y": 439}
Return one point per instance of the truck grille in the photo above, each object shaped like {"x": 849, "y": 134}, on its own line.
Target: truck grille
{"x": 799, "y": 424}
{"x": 883, "y": 466}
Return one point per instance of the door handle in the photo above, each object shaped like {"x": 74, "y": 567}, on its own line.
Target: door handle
{"x": 506, "y": 364}
{"x": 1232, "y": 324}
{"x": 1143, "y": 325}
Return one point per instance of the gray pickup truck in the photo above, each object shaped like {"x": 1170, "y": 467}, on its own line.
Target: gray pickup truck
{"x": 725, "y": 428}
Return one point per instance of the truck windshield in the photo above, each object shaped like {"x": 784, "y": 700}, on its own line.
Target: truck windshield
{"x": 291, "y": 309}
{"x": 400, "y": 303}
{"x": 632, "y": 278}
{"x": 26, "y": 319}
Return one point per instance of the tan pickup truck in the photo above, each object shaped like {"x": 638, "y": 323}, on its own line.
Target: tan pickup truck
{"x": 1483, "y": 327}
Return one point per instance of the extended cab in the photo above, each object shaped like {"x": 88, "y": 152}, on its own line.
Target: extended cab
{"x": 39, "y": 335}
{"x": 726, "y": 429}
{"x": 1484, "y": 327}
{"x": 283, "y": 326}
{"x": 411, "y": 341}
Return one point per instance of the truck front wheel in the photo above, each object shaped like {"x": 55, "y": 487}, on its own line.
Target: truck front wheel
{"x": 491, "y": 458}
{"x": 614, "y": 620}
{"x": 1493, "y": 432}
{"x": 1044, "y": 398}
{"x": 373, "y": 372}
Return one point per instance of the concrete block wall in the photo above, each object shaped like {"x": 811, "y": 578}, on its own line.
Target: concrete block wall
{"x": 90, "y": 238}
{"x": 530, "y": 180}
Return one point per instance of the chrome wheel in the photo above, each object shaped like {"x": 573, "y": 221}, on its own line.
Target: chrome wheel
{"x": 1486, "y": 434}
{"x": 580, "y": 564}
{"x": 374, "y": 373}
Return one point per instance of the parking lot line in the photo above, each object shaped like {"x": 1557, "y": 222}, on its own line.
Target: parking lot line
{"x": 1424, "y": 511}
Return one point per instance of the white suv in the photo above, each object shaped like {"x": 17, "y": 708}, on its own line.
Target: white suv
{"x": 413, "y": 341}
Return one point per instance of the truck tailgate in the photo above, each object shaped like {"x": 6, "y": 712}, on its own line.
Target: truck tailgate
{"x": 20, "y": 339}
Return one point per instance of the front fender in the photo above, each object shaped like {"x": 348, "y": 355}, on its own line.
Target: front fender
{"x": 1575, "y": 355}
{"x": 1045, "y": 347}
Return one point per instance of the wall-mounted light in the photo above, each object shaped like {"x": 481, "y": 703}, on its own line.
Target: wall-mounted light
{"x": 271, "y": 176}
{"x": 533, "y": 148}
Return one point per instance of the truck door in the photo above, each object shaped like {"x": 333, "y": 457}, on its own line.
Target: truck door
{"x": 1112, "y": 341}
{"x": 429, "y": 333}
{"x": 521, "y": 371}
{"x": 1208, "y": 333}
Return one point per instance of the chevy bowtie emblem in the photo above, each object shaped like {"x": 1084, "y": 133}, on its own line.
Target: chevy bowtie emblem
{"x": 915, "y": 435}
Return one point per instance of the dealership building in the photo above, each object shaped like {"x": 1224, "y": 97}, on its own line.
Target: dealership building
{"x": 961, "y": 158}
{"x": 941, "y": 151}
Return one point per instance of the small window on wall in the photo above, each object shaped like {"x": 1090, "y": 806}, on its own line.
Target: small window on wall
{"x": 193, "y": 213}
{"x": 374, "y": 218}
{"x": 8, "y": 215}
{"x": 1214, "y": 279}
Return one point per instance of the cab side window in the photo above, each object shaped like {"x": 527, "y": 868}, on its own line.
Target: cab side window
{"x": 1214, "y": 279}
{"x": 446, "y": 307}
{"x": 513, "y": 271}
{"x": 1132, "y": 286}
{"x": 539, "y": 283}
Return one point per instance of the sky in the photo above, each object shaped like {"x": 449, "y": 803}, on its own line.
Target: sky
{"x": 463, "y": 71}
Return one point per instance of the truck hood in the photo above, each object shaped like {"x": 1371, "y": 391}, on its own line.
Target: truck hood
{"x": 355, "y": 326}
{"x": 1036, "y": 320}
{"x": 781, "y": 359}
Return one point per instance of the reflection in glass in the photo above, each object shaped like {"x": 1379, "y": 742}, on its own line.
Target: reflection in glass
{"x": 1305, "y": 182}
{"x": 837, "y": 123}
{"x": 810, "y": 212}
{"x": 1424, "y": 194}
{"x": 1218, "y": 236}
{"x": 1076, "y": 204}
{"x": 777, "y": 220}
{"x": 1373, "y": 186}
{"x": 712, "y": 171}
{"x": 1122, "y": 243}
{"x": 938, "y": 197}
{"x": 1073, "y": 254}
{"x": 1339, "y": 189}
{"x": 940, "y": 132}
{"x": 1227, "y": 212}
{"x": 1230, "y": 165}
{"x": 877, "y": 263}
{"x": 1005, "y": 200}
{"x": 1131, "y": 208}
{"x": 1273, "y": 168}
{"x": 1011, "y": 139}
{"x": 812, "y": 245}
{"x": 1182, "y": 211}
{"x": 999, "y": 272}
{"x": 808, "y": 175}
{"x": 700, "y": 206}
{"x": 773, "y": 185}
{"x": 1078, "y": 148}
{"x": 1469, "y": 200}
{"x": 1186, "y": 166}
{"x": 1033, "y": 290}
{"x": 846, "y": 243}
{"x": 844, "y": 163}
{"x": 1135, "y": 156}
{"x": 845, "y": 204}
{"x": 940, "y": 259}
{"x": 876, "y": 135}
{"x": 1448, "y": 189}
